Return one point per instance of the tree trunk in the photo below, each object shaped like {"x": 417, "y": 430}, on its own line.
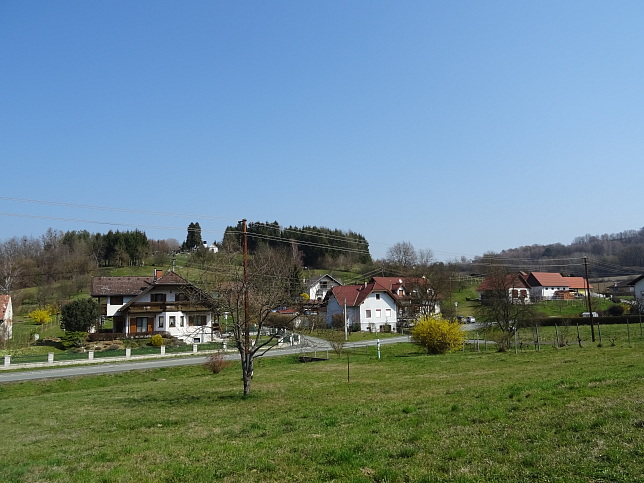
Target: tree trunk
{"x": 247, "y": 372}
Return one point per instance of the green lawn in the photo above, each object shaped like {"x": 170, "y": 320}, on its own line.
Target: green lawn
{"x": 572, "y": 414}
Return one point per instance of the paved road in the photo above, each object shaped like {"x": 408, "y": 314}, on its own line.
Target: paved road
{"x": 308, "y": 345}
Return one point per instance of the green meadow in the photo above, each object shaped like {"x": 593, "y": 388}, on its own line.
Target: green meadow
{"x": 569, "y": 414}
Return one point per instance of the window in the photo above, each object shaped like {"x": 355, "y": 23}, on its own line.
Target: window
{"x": 157, "y": 297}
{"x": 183, "y": 321}
{"x": 161, "y": 321}
{"x": 377, "y": 296}
{"x": 368, "y": 313}
{"x": 116, "y": 300}
{"x": 378, "y": 313}
{"x": 172, "y": 321}
{"x": 388, "y": 312}
{"x": 141, "y": 324}
{"x": 180, "y": 297}
{"x": 196, "y": 320}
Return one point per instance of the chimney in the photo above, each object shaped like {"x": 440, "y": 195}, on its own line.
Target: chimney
{"x": 157, "y": 274}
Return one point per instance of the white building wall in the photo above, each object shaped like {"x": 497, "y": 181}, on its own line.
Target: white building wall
{"x": 382, "y": 310}
{"x": 638, "y": 289}
{"x": 112, "y": 308}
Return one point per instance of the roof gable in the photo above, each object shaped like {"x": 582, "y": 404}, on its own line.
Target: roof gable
{"x": 171, "y": 279}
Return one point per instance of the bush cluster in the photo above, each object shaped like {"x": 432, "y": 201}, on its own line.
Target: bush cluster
{"x": 438, "y": 335}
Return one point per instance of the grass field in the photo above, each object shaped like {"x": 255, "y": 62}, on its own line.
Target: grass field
{"x": 572, "y": 414}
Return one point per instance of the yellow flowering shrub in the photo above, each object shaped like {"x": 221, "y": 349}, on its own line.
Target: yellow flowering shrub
{"x": 438, "y": 335}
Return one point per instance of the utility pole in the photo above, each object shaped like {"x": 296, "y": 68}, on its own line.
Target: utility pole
{"x": 590, "y": 308}
{"x": 246, "y": 306}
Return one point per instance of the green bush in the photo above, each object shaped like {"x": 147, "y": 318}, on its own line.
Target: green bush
{"x": 73, "y": 339}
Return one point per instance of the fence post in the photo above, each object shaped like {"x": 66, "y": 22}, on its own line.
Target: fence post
{"x": 557, "y": 344}
{"x": 50, "y": 358}
{"x": 194, "y": 348}
{"x": 162, "y": 350}
{"x": 7, "y": 360}
{"x": 90, "y": 355}
{"x": 378, "y": 344}
{"x": 128, "y": 352}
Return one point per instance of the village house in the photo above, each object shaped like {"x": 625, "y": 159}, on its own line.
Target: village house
{"x": 164, "y": 303}
{"x": 414, "y": 297}
{"x": 534, "y": 286}
{"x": 370, "y": 306}
{"x": 318, "y": 287}
{"x": 513, "y": 284}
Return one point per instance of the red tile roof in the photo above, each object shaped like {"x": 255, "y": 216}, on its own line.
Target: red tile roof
{"x": 577, "y": 282}
{"x": 546, "y": 279}
{"x": 354, "y": 295}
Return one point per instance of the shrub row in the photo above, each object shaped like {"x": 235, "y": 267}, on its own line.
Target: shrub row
{"x": 102, "y": 336}
{"x": 559, "y": 321}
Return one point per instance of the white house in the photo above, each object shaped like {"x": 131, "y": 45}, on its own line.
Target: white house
{"x": 162, "y": 304}
{"x": 371, "y": 306}
{"x": 318, "y": 287}
{"x": 638, "y": 289}
{"x": 6, "y": 317}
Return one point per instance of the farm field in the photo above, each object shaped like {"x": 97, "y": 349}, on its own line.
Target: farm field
{"x": 570, "y": 414}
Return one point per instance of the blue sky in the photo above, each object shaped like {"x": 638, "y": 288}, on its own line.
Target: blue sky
{"x": 462, "y": 127}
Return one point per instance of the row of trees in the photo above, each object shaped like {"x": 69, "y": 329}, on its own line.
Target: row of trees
{"x": 608, "y": 251}
{"x": 70, "y": 256}
{"x": 319, "y": 247}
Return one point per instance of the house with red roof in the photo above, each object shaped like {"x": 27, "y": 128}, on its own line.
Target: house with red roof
{"x": 534, "y": 286}
{"x": 6, "y": 317}
{"x": 162, "y": 304}
{"x": 414, "y": 296}
{"x": 548, "y": 286}
{"x": 370, "y": 306}
{"x": 513, "y": 284}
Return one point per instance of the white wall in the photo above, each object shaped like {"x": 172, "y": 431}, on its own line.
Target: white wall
{"x": 382, "y": 302}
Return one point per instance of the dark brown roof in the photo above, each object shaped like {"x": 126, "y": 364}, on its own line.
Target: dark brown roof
{"x": 104, "y": 286}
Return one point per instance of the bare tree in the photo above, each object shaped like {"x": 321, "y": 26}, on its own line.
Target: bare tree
{"x": 402, "y": 256}
{"x": 504, "y": 304}
{"x": 272, "y": 281}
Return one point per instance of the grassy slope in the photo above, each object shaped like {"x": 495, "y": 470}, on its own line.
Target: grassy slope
{"x": 555, "y": 415}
